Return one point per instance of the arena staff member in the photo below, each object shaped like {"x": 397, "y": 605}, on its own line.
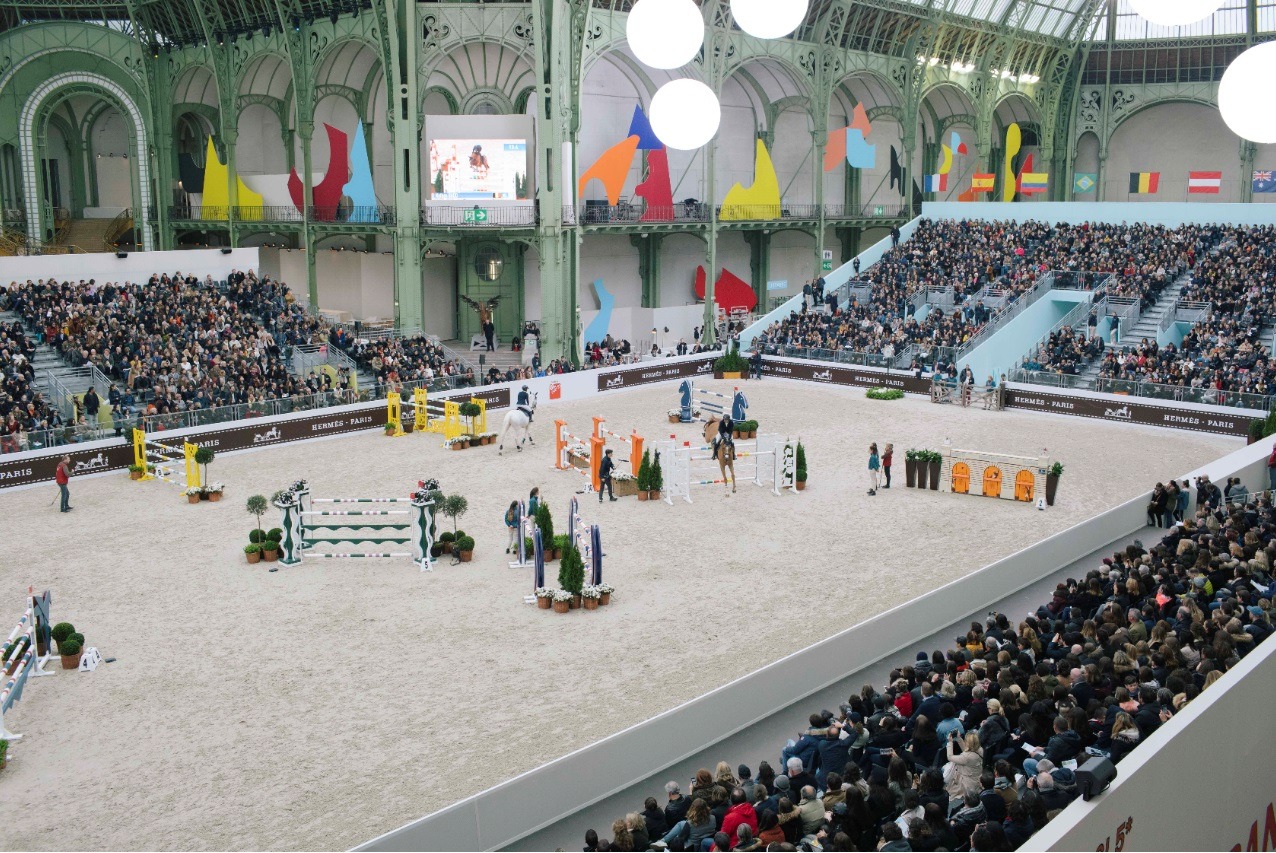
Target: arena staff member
{"x": 63, "y": 478}
{"x": 604, "y": 476}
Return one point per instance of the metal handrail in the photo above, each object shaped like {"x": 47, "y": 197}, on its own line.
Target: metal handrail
{"x": 1185, "y": 394}
{"x": 1046, "y": 377}
{"x": 1008, "y": 313}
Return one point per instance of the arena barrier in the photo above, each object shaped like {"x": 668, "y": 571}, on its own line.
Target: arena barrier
{"x": 633, "y": 443}
{"x": 156, "y": 458}
{"x": 29, "y": 659}
{"x": 586, "y": 538}
{"x": 699, "y": 405}
{"x": 563, "y": 439}
{"x": 303, "y": 527}
{"x": 440, "y": 416}
{"x": 774, "y": 462}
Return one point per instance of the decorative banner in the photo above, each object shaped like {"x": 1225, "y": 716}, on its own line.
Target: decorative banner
{"x": 981, "y": 183}
{"x": 611, "y": 168}
{"x": 217, "y": 188}
{"x": 325, "y": 195}
{"x": 1014, "y": 141}
{"x": 897, "y": 171}
{"x": 1145, "y": 183}
{"x": 640, "y": 127}
{"x": 597, "y": 328}
{"x": 359, "y": 189}
{"x": 656, "y": 190}
{"x": 1264, "y": 182}
{"x": 759, "y": 201}
{"x": 1204, "y": 183}
{"x": 946, "y": 165}
{"x": 1085, "y": 182}
{"x": 849, "y": 142}
{"x": 958, "y": 145}
{"x": 729, "y": 292}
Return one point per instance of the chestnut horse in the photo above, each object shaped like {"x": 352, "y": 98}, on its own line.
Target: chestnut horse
{"x": 723, "y": 452}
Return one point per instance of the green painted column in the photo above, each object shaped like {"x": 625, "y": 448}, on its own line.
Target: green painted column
{"x": 649, "y": 248}
{"x": 402, "y": 29}
{"x": 760, "y": 262}
{"x": 229, "y": 137}
{"x": 306, "y": 128}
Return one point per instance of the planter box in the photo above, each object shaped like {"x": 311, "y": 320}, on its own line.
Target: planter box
{"x": 801, "y": 485}
{"x": 591, "y": 604}
{"x": 544, "y": 603}
{"x": 675, "y": 419}
{"x": 254, "y": 557}
{"x": 561, "y": 606}
{"x": 214, "y": 496}
{"x": 923, "y": 474}
{"x": 604, "y": 599}
{"x": 625, "y": 488}
{"x": 934, "y": 475}
{"x": 1052, "y": 488}
{"x": 910, "y": 470}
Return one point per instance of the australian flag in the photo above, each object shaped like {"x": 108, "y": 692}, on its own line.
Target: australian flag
{"x": 1264, "y": 182}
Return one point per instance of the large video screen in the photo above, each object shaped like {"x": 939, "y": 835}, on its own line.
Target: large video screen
{"x": 478, "y": 169}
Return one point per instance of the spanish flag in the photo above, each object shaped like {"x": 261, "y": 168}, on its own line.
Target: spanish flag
{"x": 982, "y": 183}
{"x": 1144, "y": 183}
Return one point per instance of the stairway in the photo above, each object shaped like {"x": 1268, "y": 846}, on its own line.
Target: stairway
{"x": 1148, "y": 326}
{"x": 504, "y": 359}
{"x": 50, "y": 366}
{"x": 91, "y": 235}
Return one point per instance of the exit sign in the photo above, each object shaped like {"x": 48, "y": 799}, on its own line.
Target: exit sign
{"x": 478, "y": 214}
{"x": 879, "y": 210}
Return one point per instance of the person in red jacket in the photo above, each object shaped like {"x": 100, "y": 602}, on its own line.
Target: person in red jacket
{"x": 739, "y": 813}
{"x": 63, "y": 477}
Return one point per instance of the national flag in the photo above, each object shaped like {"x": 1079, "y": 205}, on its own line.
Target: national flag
{"x": 1085, "y": 182}
{"x": 1145, "y": 183}
{"x": 936, "y": 183}
{"x": 1209, "y": 183}
{"x": 982, "y": 183}
{"x": 1033, "y": 182}
{"x": 1264, "y": 182}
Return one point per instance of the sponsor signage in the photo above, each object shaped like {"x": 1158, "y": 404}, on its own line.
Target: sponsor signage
{"x": 1128, "y": 412}
{"x": 836, "y": 375}
{"x": 20, "y": 472}
{"x": 654, "y": 371}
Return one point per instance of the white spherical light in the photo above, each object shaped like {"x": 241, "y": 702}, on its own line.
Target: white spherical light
{"x": 1244, "y": 91}
{"x": 769, "y": 19}
{"x": 1175, "y": 13}
{"x": 685, "y": 114}
{"x": 665, "y": 33}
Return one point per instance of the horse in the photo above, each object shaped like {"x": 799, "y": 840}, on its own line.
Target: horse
{"x": 723, "y": 452}
{"x": 517, "y": 420}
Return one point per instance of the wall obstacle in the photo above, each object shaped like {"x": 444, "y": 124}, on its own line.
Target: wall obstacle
{"x": 157, "y": 459}
{"x": 994, "y": 475}
{"x": 305, "y": 528}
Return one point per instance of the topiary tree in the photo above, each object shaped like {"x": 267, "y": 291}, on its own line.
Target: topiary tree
{"x": 257, "y": 506}
{"x": 571, "y": 573}
{"x": 203, "y": 456}
{"x": 545, "y": 521}
{"x": 657, "y": 475}
{"x": 469, "y": 410}
{"x": 455, "y": 506}
{"x": 644, "y": 472}
{"x": 800, "y": 463}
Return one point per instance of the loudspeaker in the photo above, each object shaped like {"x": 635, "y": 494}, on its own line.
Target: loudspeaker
{"x": 482, "y": 359}
{"x": 121, "y": 254}
{"x": 226, "y": 250}
{"x": 1094, "y": 776}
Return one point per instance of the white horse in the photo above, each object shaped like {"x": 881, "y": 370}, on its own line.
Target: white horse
{"x": 517, "y": 420}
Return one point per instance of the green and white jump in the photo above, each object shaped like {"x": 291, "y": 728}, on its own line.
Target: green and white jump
{"x": 774, "y": 465}
{"x": 305, "y": 528}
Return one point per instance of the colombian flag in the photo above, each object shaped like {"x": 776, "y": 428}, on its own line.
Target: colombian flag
{"x": 982, "y": 183}
{"x": 1033, "y": 182}
{"x": 1145, "y": 183}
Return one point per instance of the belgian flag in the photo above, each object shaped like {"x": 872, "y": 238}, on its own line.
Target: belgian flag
{"x": 1144, "y": 183}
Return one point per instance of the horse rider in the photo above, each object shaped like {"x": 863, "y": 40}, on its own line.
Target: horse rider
{"x": 725, "y": 428}
{"x": 524, "y": 403}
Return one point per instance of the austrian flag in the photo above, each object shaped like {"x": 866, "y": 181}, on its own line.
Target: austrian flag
{"x": 1210, "y": 183}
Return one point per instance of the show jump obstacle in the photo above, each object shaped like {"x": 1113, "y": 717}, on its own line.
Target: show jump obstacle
{"x": 562, "y": 458}
{"x": 156, "y": 460}
{"x": 774, "y": 462}
{"x": 587, "y": 538}
{"x": 441, "y": 416}
{"x": 700, "y": 405}
{"x": 994, "y": 475}
{"x": 632, "y": 443}
{"x": 28, "y": 657}
{"x": 305, "y": 528}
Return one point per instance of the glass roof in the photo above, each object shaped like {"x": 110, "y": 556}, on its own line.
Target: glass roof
{"x": 1053, "y": 18}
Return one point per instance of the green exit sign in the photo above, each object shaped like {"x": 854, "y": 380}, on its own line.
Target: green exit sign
{"x": 828, "y": 266}
{"x": 478, "y": 214}
{"x": 879, "y": 210}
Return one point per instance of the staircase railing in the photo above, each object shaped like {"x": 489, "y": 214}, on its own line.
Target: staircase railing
{"x": 118, "y": 227}
{"x": 1008, "y": 313}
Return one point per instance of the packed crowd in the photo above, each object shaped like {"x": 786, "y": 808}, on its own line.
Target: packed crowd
{"x": 975, "y": 748}
{"x": 394, "y": 360}
{"x": 1224, "y": 351}
{"x": 23, "y": 409}
{"x": 1065, "y": 351}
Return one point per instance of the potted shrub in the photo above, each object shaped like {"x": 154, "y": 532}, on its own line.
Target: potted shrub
{"x": 753, "y": 429}
{"x": 275, "y": 534}
{"x": 203, "y": 456}
{"x": 1255, "y": 435}
{"x": 193, "y": 494}
{"x": 71, "y": 650}
{"x": 13, "y": 653}
{"x": 252, "y": 551}
{"x": 800, "y": 465}
{"x": 4, "y": 753}
{"x": 644, "y": 476}
{"x": 910, "y": 467}
{"x": 604, "y": 593}
{"x": 657, "y": 479}
{"x": 465, "y": 547}
{"x": 562, "y": 601}
{"x": 469, "y": 410}
{"x": 675, "y": 416}
{"x": 559, "y": 545}
{"x": 544, "y": 597}
{"x": 731, "y": 365}
{"x": 1053, "y": 473}
{"x": 257, "y": 506}
{"x": 135, "y": 472}
{"x": 545, "y": 522}
{"x": 571, "y": 574}
{"x": 589, "y": 596}
{"x": 455, "y": 506}
{"x": 529, "y": 546}
{"x": 391, "y": 428}
{"x": 215, "y": 491}
{"x": 935, "y": 461}
{"x": 446, "y": 540}
{"x": 61, "y": 631}
{"x": 270, "y": 550}
{"x": 923, "y": 468}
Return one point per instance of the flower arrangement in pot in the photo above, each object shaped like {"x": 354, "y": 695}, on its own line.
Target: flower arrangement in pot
{"x": 544, "y": 597}
{"x": 215, "y": 491}
{"x": 562, "y": 601}
{"x": 391, "y": 428}
{"x": 459, "y": 443}
{"x": 910, "y": 467}
{"x": 675, "y": 416}
{"x": 193, "y": 494}
{"x": 604, "y": 593}
{"x": 589, "y": 595}
{"x": 136, "y": 472}
{"x": 571, "y": 574}
{"x": 465, "y": 548}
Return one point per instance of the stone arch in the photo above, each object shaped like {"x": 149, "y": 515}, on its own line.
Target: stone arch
{"x": 26, "y": 131}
